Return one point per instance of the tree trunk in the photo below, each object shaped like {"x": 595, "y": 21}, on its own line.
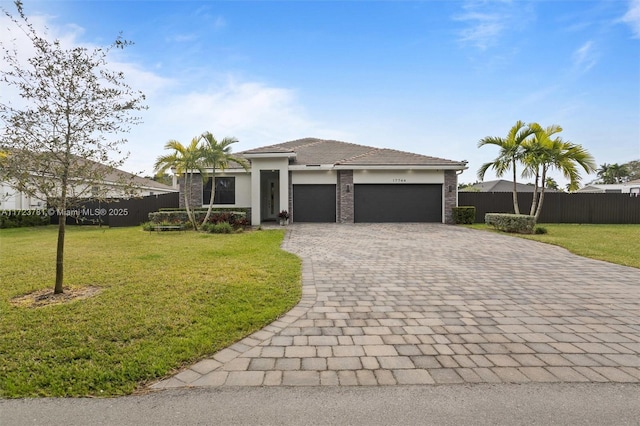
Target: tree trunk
{"x": 213, "y": 193}
{"x": 539, "y": 208}
{"x": 62, "y": 220}
{"x": 187, "y": 200}
{"x": 516, "y": 208}
{"x": 534, "y": 200}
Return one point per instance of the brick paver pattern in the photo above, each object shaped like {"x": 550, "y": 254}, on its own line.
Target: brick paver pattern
{"x": 387, "y": 304}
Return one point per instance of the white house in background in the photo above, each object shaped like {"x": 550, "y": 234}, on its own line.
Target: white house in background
{"x": 318, "y": 180}
{"x": 631, "y": 187}
{"x": 10, "y": 199}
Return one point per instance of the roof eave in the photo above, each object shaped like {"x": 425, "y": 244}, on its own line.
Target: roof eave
{"x": 400, "y": 166}
{"x": 311, "y": 167}
{"x": 258, "y": 155}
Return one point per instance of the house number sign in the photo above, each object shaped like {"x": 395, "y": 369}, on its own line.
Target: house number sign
{"x": 399, "y": 180}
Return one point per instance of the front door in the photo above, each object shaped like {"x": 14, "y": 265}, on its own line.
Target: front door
{"x": 271, "y": 198}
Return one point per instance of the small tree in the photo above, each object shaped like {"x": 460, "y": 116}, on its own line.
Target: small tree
{"x": 543, "y": 153}
{"x": 184, "y": 161}
{"x": 217, "y": 155}
{"x": 510, "y": 154}
{"x": 55, "y": 146}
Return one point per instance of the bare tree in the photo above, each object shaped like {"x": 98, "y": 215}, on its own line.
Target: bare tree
{"x": 57, "y": 144}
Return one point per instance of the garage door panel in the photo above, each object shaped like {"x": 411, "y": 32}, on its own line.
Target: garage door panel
{"x": 398, "y": 203}
{"x": 314, "y": 203}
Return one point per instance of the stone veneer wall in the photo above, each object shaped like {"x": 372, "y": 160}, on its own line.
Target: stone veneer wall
{"x": 195, "y": 197}
{"x": 345, "y": 199}
{"x": 290, "y": 208}
{"x": 450, "y": 197}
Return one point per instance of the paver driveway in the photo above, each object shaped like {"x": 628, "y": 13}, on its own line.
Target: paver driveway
{"x": 387, "y": 304}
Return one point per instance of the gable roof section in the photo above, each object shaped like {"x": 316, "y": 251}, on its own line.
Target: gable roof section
{"x": 313, "y": 151}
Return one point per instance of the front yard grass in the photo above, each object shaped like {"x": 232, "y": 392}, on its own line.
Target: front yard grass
{"x": 167, "y": 300}
{"x": 613, "y": 243}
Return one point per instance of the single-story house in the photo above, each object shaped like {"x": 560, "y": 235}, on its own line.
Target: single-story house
{"x": 111, "y": 187}
{"x": 502, "y": 185}
{"x": 631, "y": 187}
{"x": 318, "y": 180}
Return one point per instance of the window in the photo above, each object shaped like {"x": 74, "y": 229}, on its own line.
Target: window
{"x": 225, "y": 191}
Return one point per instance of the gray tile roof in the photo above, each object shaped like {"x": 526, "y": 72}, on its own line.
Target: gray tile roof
{"x": 311, "y": 151}
{"x": 502, "y": 185}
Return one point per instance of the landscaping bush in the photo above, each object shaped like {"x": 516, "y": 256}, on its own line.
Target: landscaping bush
{"x": 464, "y": 215}
{"x": 23, "y": 218}
{"x": 237, "y": 219}
{"x": 517, "y": 223}
{"x": 218, "y": 228}
{"x": 540, "y": 230}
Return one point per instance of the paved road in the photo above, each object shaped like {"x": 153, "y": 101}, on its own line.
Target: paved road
{"x": 505, "y": 404}
{"x": 402, "y": 304}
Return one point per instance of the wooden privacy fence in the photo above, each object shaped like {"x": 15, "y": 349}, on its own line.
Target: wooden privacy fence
{"x": 119, "y": 213}
{"x": 559, "y": 207}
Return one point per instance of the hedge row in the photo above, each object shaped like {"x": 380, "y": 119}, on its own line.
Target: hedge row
{"x": 518, "y": 223}
{"x": 237, "y": 219}
{"x": 23, "y": 218}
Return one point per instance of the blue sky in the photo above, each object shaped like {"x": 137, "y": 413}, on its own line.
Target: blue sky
{"x": 431, "y": 77}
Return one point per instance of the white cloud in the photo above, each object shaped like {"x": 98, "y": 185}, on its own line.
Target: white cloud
{"x": 585, "y": 57}
{"x": 632, "y": 17}
{"x": 185, "y": 106}
{"x": 483, "y": 30}
{"x": 219, "y": 23}
{"x": 255, "y": 113}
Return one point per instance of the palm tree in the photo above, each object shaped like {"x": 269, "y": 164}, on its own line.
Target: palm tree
{"x": 185, "y": 160}
{"x": 217, "y": 155}
{"x": 605, "y": 174}
{"x": 618, "y": 172}
{"x": 510, "y": 153}
{"x": 535, "y": 156}
{"x": 542, "y": 153}
{"x": 552, "y": 184}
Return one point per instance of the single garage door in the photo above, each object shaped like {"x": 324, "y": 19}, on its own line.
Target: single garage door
{"x": 398, "y": 203}
{"x": 314, "y": 203}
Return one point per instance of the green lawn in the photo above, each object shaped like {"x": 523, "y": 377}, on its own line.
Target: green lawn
{"x": 613, "y": 243}
{"x": 168, "y": 299}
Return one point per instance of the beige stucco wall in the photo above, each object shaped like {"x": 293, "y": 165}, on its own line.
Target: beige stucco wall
{"x": 314, "y": 177}
{"x": 398, "y": 176}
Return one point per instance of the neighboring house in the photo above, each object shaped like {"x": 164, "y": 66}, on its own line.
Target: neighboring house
{"x": 502, "y": 185}
{"x": 10, "y": 199}
{"x": 319, "y": 180}
{"x": 631, "y": 187}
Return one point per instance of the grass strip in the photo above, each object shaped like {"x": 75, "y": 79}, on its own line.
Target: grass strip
{"x": 612, "y": 243}
{"x": 166, "y": 300}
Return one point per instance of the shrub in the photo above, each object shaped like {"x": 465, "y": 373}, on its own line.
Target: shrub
{"x": 221, "y": 228}
{"x": 23, "y": 218}
{"x": 518, "y": 223}
{"x": 540, "y": 230}
{"x": 464, "y": 214}
{"x": 147, "y": 226}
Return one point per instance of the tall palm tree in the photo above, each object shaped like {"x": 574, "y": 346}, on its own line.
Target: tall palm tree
{"x": 535, "y": 156}
{"x": 217, "y": 155}
{"x": 543, "y": 153}
{"x": 509, "y": 155}
{"x": 185, "y": 160}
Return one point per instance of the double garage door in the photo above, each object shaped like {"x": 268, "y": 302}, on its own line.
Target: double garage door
{"x": 372, "y": 203}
